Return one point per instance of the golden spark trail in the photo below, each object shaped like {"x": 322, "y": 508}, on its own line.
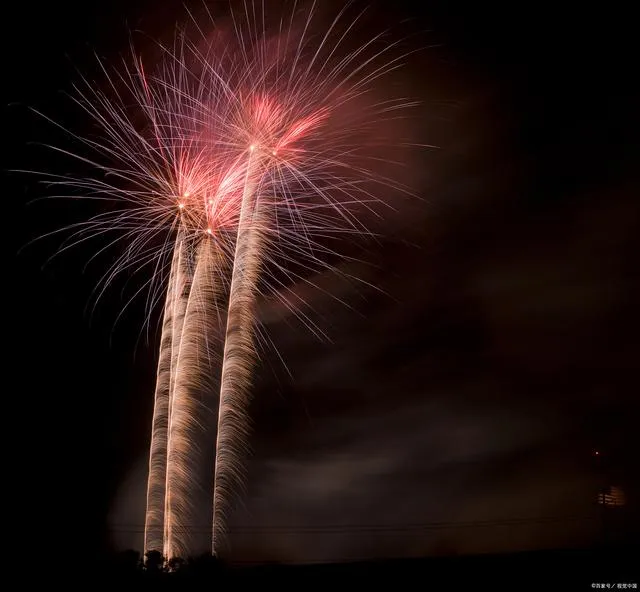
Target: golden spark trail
{"x": 156, "y": 484}
{"x": 184, "y": 279}
{"x": 194, "y": 395}
{"x": 239, "y": 352}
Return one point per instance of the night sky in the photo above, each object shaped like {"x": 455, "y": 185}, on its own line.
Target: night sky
{"x": 458, "y": 408}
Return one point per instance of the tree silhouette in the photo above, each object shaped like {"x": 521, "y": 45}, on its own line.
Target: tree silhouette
{"x": 154, "y": 562}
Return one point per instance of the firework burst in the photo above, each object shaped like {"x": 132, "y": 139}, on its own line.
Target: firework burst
{"x": 246, "y": 154}
{"x": 297, "y": 115}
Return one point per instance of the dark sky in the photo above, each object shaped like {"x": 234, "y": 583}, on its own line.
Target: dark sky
{"x": 473, "y": 393}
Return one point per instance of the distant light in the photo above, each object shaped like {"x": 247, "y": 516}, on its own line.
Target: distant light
{"x": 252, "y": 147}
{"x": 186, "y": 194}
{"x": 612, "y": 496}
{"x": 209, "y": 231}
{"x": 181, "y": 206}
{"x": 274, "y": 152}
{"x": 597, "y": 453}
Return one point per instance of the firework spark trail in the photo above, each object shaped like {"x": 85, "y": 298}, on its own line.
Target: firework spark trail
{"x": 194, "y": 393}
{"x": 177, "y": 296}
{"x": 181, "y": 274}
{"x": 239, "y": 352}
{"x": 156, "y": 485}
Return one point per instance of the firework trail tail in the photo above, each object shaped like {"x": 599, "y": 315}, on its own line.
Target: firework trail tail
{"x": 182, "y": 267}
{"x": 192, "y": 420}
{"x": 156, "y": 485}
{"x": 238, "y": 357}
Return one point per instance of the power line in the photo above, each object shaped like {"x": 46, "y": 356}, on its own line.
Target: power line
{"x": 369, "y": 528}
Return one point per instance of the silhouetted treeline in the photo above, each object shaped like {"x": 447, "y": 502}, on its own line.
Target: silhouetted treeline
{"x": 573, "y": 569}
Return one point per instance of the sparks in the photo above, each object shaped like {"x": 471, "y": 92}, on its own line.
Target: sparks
{"x": 214, "y": 116}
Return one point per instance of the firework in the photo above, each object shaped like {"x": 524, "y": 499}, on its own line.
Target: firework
{"x": 192, "y": 403}
{"x": 257, "y": 147}
{"x": 160, "y": 180}
{"x": 299, "y": 171}
{"x": 171, "y": 326}
{"x": 238, "y": 352}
